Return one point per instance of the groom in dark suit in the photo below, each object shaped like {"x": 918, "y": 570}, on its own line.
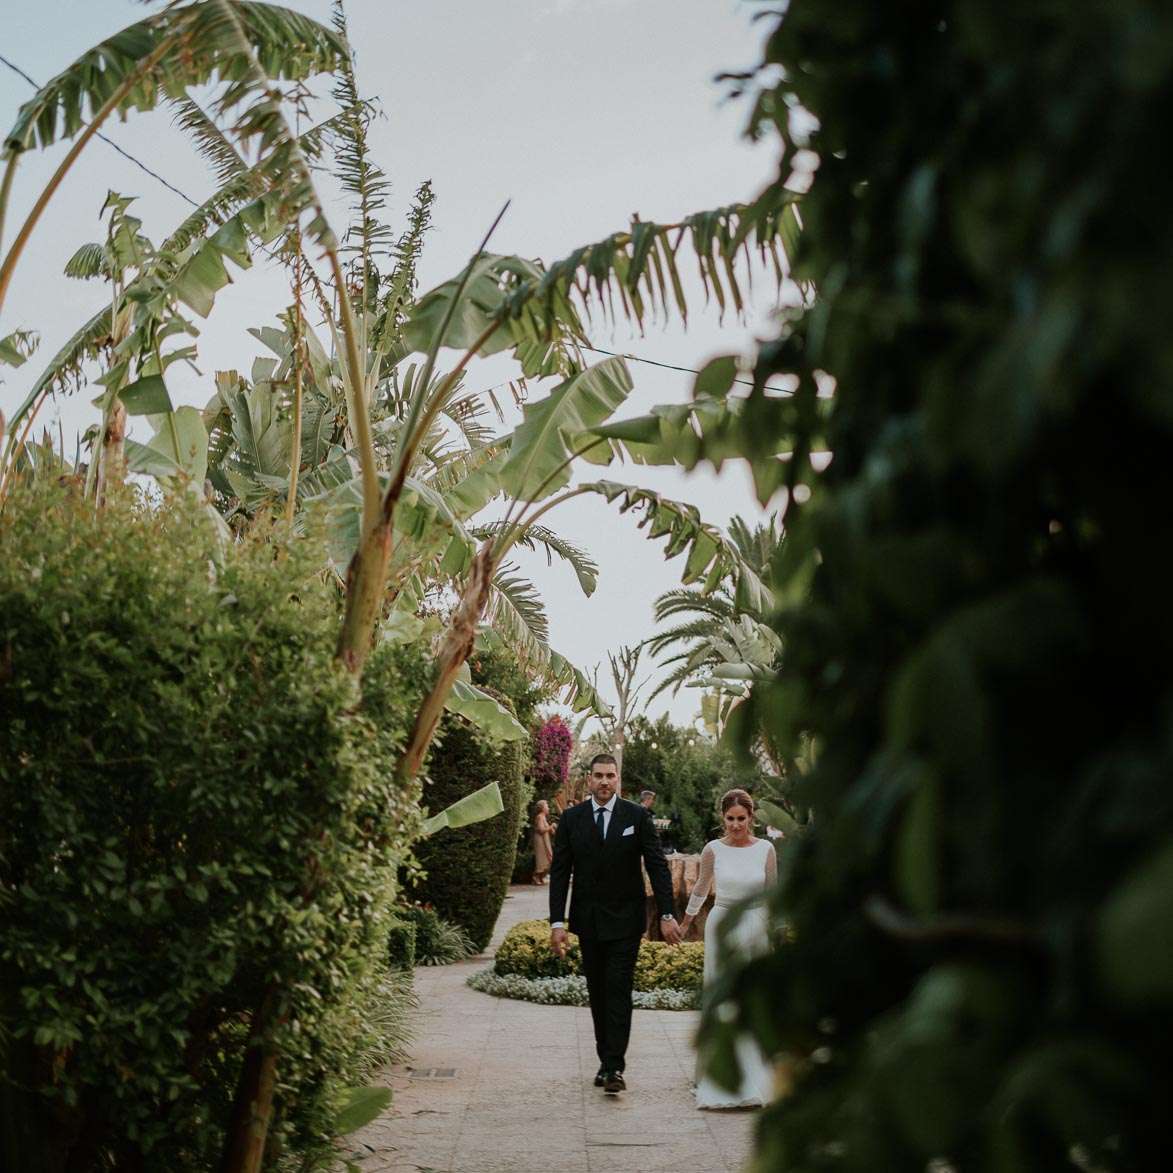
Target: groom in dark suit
{"x": 601, "y": 843}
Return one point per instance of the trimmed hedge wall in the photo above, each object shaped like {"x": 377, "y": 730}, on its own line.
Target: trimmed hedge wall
{"x": 467, "y": 869}
{"x": 180, "y": 751}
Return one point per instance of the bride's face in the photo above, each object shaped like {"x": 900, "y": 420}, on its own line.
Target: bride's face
{"x": 738, "y": 823}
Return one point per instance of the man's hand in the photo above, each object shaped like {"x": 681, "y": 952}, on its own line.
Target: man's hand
{"x": 671, "y": 931}
{"x": 559, "y": 939}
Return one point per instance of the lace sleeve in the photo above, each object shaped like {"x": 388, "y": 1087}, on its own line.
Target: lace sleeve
{"x": 703, "y": 885}
{"x": 771, "y": 865}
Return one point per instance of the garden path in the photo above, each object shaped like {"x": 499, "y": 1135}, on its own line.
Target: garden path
{"x": 496, "y": 1085}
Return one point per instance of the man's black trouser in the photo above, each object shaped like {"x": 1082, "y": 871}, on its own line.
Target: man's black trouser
{"x": 609, "y": 969}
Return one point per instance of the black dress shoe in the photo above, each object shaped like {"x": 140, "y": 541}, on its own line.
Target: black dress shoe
{"x": 600, "y": 1077}
{"x": 614, "y": 1083}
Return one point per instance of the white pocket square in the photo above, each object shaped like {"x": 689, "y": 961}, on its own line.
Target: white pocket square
{"x": 628, "y": 830}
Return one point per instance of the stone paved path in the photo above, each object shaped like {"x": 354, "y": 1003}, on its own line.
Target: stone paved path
{"x": 496, "y": 1085}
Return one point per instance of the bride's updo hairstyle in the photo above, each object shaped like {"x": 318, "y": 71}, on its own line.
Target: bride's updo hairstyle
{"x": 737, "y": 798}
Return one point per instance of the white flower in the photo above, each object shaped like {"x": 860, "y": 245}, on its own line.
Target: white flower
{"x": 572, "y": 991}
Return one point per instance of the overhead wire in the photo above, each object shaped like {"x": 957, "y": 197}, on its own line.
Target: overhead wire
{"x": 195, "y": 204}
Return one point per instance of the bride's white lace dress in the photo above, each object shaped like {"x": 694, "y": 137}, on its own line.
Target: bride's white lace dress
{"x": 739, "y": 873}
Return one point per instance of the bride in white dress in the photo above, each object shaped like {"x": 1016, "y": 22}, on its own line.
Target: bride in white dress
{"x": 741, "y": 866}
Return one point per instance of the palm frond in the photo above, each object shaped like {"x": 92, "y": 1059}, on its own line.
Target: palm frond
{"x": 367, "y": 237}
{"x": 685, "y": 599}
{"x": 65, "y": 367}
{"x": 538, "y": 536}
{"x": 638, "y": 270}
{"x": 210, "y": 141}
{"x": 91, "y": 260}
{"x": 516, "y": 610}
{"x": 710, "y": 556}
{"x": 399, "y": 290}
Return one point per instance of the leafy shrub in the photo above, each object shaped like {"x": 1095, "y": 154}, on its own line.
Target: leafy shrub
{"x": 687, "y": 778}
{"x": 180, "y": 753}
{"x": 661, "y": 966}
{"x": 436, "y": 941}
{"x": 978, "y": 635}
{"x": 525, "y": 951}
{"x": 401, "y": 944}
{"x": 523, "y": 866}
{"x": 468, "y": 868}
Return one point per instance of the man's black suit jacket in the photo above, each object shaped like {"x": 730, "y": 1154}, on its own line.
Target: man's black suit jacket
{"x": 608, "y": 899}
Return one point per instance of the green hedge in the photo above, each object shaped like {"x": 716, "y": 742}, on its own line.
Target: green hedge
{"x": 467, "y": 869}
{"x": 525, "y": 950}
{"x": 180, "y": 754}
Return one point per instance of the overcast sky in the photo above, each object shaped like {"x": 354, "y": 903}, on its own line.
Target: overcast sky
{"x": 580, "y": 114}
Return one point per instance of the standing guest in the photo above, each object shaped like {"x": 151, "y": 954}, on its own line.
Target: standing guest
{"x": 601, "y": 844}
{"x": 543, "y": 834}
{"x": 647, "y": 799}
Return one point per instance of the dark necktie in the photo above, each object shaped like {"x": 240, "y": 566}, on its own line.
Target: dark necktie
{"x": 599, "y": 820}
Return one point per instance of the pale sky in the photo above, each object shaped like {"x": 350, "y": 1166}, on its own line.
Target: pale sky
{"x": 580, "y": 114}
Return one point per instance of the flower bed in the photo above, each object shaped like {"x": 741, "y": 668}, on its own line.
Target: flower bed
{"x": 667, "y": 977}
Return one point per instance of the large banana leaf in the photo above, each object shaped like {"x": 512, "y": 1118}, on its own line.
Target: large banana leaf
{"x": 544, "y": 336}
{"x": 485, "y": 712}
{"x": 473, "y": 808}
{"x": 160, "y": 458}
{"x": 637, "y": 271}
{"x": 556, "y": 428}
{"x": 203, "y": 42}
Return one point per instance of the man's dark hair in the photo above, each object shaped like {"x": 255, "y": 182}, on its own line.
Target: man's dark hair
{"x": 605, "y": 758}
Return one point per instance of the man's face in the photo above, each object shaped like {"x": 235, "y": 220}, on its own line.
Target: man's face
{"x": 603, "y": 782}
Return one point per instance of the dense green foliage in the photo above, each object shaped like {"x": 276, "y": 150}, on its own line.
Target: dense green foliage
{"x": 497, "y": 667}
{"x": 978, "y": 628}
{"x": 525, "y": 950}
{"x": 193, "y": 810}
{"x": 434, "y": 940}
{"x": 467, "y": 869}
{"x": 688, "y": 772}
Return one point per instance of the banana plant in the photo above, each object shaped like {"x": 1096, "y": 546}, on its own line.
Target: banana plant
{"x": 156, "y": 60}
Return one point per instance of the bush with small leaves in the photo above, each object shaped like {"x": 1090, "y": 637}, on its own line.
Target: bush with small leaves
{"x": 194, "y": 808}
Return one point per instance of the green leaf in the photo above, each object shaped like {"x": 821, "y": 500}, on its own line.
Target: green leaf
{"x": 15, "y": 348}
{"x": 484, "y": 712}
{"x": 716, "y": 377}
{"x": 147, "y": 396}
{"x": 159, "y": 457}
{"x": 473, "y": 808}
{"x": 1133, "y": 944}
{"x": 540, "y": 453}
{"x": 360, "y": 1106}
{"x": 918, "y": 848}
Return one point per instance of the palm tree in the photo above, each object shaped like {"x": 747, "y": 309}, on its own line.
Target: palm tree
{"x": 722, "y": 643}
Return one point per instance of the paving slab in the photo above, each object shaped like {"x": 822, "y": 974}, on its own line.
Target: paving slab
{"x": 495, "y": 1084}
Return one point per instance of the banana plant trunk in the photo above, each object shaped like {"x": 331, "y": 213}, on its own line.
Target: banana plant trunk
{"x": 111, "y": 462}
{"x": 458, "y": 643}
{"x": 366, "y": 581}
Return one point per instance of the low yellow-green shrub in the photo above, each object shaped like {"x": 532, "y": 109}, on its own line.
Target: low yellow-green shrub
{"x": 661, "y": 966}
{"x": 526, "y": 951}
